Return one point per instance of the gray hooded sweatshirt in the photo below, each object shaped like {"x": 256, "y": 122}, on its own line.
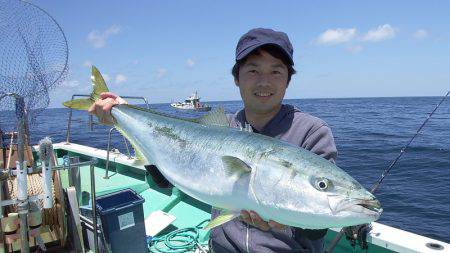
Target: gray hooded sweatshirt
{"x": 306, "y": 131}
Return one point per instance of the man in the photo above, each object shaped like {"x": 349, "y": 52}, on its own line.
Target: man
{"x": 263, "y": 70}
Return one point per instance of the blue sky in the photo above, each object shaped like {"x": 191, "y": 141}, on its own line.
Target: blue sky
{"x": 165, "y": 50}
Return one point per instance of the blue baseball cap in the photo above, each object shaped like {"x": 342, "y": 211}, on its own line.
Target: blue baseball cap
{"x": 258, "y": 37}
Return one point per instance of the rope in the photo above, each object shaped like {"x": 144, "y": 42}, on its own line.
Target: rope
{"x": 180, "y": 240}
{"x": 50, "y": 216}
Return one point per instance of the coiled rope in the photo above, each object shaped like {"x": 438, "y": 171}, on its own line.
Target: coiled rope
{"x": 52, "y": 217}
{"x": 180, "y": 240}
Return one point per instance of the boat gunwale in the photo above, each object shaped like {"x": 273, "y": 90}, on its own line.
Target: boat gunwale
{"x": 384, "y": 236}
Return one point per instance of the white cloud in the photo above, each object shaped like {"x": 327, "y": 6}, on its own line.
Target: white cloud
{"x": 382, "y": 32}
{"x": 70, "y": 83}
{"x": 87, "y": 64}
{"x": 120, "y": 78}
{"x": 420, "y": 34}
{"x": 160, "y": 73}
{"x": 98, "y": 39}
{"x": 190, "y": 63}
{"x": 336, "y": 36}
{"x": 354, "y": 49}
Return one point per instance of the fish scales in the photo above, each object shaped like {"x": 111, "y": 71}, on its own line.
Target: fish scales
{"x": 189, "y": 155}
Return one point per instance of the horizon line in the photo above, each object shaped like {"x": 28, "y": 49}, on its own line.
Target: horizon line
{"x": 216, "y": 101}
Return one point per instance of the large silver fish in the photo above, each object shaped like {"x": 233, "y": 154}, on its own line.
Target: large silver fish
{"x": 235, "y": 170}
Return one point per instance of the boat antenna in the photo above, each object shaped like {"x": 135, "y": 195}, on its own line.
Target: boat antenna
{"x": 375, "y": 186}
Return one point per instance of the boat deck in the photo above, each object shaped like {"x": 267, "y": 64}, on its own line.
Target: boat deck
{"x": 126, "y": 173}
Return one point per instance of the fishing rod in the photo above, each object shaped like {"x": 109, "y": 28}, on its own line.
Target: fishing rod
{"x": 375, "y": 186}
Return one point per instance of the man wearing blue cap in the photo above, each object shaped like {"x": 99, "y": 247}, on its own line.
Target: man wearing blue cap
{"x": 263, "y": 70}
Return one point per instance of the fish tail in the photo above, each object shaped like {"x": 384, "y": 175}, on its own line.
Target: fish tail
{"x": 99, "y": 86}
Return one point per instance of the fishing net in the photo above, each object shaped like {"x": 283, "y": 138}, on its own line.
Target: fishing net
{"x": 34, "y": 56}
{"x": 33, "y": 61}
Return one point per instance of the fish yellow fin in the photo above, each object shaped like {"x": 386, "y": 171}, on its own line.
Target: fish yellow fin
{"x": 216, "y": 117}
{"x": 79, "y": 104}
{"x": 140, "y": 159}
{"x": 234, "y": 165}
{"x": 139, "y": 156}
{"x": 98, "y": 83}
{"x": 221, "y": 219}
{"x": 99, "y": 86}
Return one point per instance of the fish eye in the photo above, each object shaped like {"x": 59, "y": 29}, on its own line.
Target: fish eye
{"x": 322, "y": 184}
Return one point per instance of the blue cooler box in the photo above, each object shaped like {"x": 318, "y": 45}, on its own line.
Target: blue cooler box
{"x": 122, "y": 219}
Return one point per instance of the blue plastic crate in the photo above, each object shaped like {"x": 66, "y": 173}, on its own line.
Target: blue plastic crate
{"x": 122, "y": 218}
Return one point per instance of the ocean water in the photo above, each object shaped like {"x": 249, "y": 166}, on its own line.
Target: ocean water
{"x": 369, "y": 133}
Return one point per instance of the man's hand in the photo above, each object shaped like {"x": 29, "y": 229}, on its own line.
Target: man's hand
{"x": 102, "y": 108}
{"x": 252, "y": 218}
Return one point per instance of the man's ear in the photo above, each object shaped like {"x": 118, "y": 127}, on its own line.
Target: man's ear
{"x": 236, "y": 82}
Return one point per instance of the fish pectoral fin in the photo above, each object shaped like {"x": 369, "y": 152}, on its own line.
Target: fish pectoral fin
{"x": 234, "y": 165}
{"x": 222, "y": 218}
{"x": 216, "y": 117}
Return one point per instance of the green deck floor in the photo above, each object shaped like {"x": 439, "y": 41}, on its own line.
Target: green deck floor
{"x": 115, "y": 181}
{"x": 188, "y": 212}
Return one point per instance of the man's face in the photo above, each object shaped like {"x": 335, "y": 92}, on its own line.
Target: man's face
{"x": 262, "y": 82}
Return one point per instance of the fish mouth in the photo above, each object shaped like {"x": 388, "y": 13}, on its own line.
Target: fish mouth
{"x": 371, "y": 207}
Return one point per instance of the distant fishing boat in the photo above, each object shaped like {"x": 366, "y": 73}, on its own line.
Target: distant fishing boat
{"x": 191, "y": 103}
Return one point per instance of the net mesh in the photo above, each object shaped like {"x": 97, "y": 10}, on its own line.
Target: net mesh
{"x": 34, "y": 57}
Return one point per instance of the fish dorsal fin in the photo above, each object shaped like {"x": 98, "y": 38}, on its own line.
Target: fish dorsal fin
{"x": 235, "y": 166}
{"x": 216, "y": 117}
{"x": 99, "y": 84}
{"x": 247, "y": 128}
{"x": 222, "y": 218}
